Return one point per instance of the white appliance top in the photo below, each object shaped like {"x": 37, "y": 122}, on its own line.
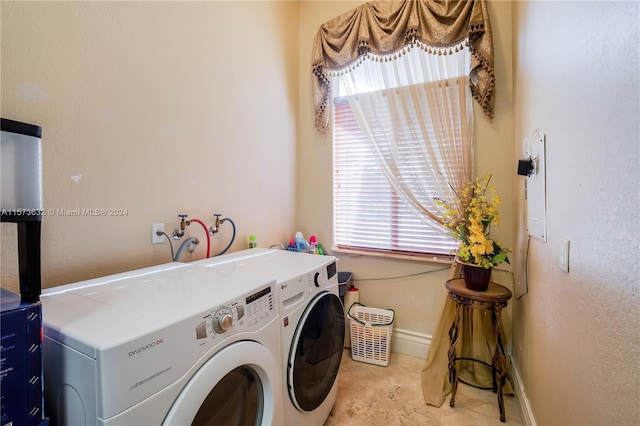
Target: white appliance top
{"x": 281, "y": 265}
{"x": 99, "y": 314}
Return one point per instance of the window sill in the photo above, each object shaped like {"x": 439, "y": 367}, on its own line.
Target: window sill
{"x": 425, "y": 258}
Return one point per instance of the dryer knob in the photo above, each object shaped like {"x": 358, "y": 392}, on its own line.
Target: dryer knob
{"x": 316, "y": 278}
{"x": 223, "y": 320}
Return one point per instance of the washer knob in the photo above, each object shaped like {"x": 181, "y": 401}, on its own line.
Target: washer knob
{"x": 222, "y": 320}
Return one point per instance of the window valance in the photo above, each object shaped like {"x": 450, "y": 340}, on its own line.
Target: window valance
{"x": 386, "y": 27}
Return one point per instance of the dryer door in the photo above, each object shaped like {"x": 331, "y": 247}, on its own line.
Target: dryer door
{"x": 239, "y": 385}
{"x": 316, "y": 352}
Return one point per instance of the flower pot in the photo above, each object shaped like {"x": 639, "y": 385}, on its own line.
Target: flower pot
{"x": 475, "y": 277}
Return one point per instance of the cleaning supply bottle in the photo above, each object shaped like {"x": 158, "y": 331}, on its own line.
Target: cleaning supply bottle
{"x": 302, "y": 245}
{"x": 313, "y": 245}
{"x": 292, "y": 245}
{"x": 252, "y": 241}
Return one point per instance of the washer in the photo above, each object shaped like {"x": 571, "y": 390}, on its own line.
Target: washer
{"x": 311, "y": 326}
{"x": 178, "y": 344}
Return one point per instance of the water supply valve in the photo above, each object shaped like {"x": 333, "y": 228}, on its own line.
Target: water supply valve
{"x": 179, "y": 233}
{"x": 216, "y": 227}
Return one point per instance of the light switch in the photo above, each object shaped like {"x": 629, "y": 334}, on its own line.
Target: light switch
{"x": 564, "y": 255}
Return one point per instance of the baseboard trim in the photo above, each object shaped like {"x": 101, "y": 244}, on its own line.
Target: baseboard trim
{"x": 521, "y": 395}
{"x": 410, "y": 343}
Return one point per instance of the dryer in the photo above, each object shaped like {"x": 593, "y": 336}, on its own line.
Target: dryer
{"x": 311, "y": 326}
{"x": 175, "y": 345}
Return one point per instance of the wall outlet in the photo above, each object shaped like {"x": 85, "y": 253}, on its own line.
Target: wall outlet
{"x": 155, "y": 238}
{"x": 564, "y": 255}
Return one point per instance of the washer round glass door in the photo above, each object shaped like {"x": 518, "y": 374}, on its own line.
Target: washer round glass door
{"x": 316, "y": 352}
{"x": 235, "y": 386}
{"x": 237, "y": 399}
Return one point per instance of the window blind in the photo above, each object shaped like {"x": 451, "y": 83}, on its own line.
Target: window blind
{"x": 368, "y": 214}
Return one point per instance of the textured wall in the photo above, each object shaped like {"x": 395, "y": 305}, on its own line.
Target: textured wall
{"x": 158, "y": 108}
{"x": 576, "y": 338}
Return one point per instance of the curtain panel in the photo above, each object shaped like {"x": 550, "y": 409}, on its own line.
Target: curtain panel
{"x": 386, "y": 27}
{"x": 422, "y": 137}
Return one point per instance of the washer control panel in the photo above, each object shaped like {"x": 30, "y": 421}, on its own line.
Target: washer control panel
{"x": 223, "y": 319}
{"x": 244, "y": 314}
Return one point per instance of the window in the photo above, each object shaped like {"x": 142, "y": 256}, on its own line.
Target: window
{"x": 380, "y": 188}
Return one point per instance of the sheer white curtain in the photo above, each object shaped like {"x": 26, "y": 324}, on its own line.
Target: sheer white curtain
{"x": 415, "y": 110}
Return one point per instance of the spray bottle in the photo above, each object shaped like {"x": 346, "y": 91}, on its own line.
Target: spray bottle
{"x": 313, "y": 245}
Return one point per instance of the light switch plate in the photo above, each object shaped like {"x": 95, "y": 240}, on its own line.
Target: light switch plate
{"x": 564, "y": 255}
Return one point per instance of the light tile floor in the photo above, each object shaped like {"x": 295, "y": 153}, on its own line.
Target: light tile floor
{"x": 373, "y": 395}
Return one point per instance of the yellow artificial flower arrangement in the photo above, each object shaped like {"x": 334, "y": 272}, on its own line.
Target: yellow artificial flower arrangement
{"x": 469, "y": 221}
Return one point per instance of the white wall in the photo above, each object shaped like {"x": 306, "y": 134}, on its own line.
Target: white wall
{"x": 576, "y": 338}
{"x": 418, "y": 299}
{"x": 162, "y": 108}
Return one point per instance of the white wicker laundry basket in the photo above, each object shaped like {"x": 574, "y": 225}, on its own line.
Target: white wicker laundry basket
{"x": 371, "y": 330}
